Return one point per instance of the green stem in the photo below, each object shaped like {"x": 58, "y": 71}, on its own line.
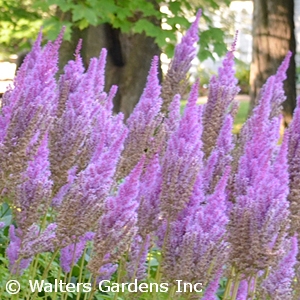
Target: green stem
{"x": 149, "y": 267}
{"x": 249, "y": 286}
{"x": 58, "y": 278}
{"x": 46, "y": 271}
{"x": 89, "y": 281}
{"x": 49, "y": 264}
{"x": 254, "y": 287}
{"x": 267, "y": 272}
{"x": 32, "y": 271}
{"x": 81, "y": 270}
{"x": 120, "y": 271}
{"x": 229, "y": 284}
{"x": 236, "y": 286}
{"x": 171, "y": 295}
{"x": 93, "y": 290}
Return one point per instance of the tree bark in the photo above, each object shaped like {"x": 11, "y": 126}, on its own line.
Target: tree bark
{"x": 273, "y": 36}
{"x": 128, "y": 61}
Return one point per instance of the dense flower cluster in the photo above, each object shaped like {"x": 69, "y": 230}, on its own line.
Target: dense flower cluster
{"x": 176, "y": 195}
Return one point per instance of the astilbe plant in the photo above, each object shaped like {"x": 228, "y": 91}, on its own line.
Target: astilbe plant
{"x": 155, "y": 199}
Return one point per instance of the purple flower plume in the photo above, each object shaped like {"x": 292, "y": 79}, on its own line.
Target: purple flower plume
{"x": 173, "y": 119}
{"x": 107, "y": 271}
{"x": 33, "y": 196}
{"x": 259, "y": 223}
{"x": 16, "y": 264}
{"x": 28, "y": 111}
{"x": 182, "y": 160}
{"x": 294, "y": 169}
{"x": 136, "y": 266}
{"x": 35, "y": 241}
{"x": 185, "y": 51}
{"x": 117, "y": 226}
{"x": 196, "y": 245}
{"x": 148, "y": 198}
{"x": 176, "y": 78}
{"x": 82, "y": 103}
{"x": 146, "y": 129}
{"x": 207, "y": 201}
{"x": 278, "y": 285}
{"x": 211, "y": 290}
{"x": 220, "y": 103}
{"x": 83, "y": 204}
{"x": 70, "y": 255}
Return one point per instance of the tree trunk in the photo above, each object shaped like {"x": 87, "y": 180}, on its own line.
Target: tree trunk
{"x": 128, "y": 61}
{"x": 273, "y": 36}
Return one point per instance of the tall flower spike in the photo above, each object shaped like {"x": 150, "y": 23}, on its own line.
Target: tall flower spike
{"x": 226, "y": 72}
{"x": 294, "y": 168}
{"x": 195, "y": 245}
{"x": 279, "y": 283}
{"x": 28, "y": 110}
{"x": 34, "y": 241}
{"x": 211, "y": 290}
{"x": 136, "y": 265}
{"x": 33, "y": 195}
{"x": 13, "y": 252}
{"x": 117, "y": 226}
{"x": 71, "y": 254}
{"x": 82, "y": 104}
{"x": 220, "y": 102}
{"x": 260, "y": 216}
{"x": 182, "y": 160}
{"x": 221, "y": 156}
{"x": 146, "y": 129}
{"x": 173, "y": 118}
{"x": 83, "y": 204}
{"x": 278, "y": 96}
{"x": 176, "y": 81}
{"x": 69, "y": 80}
{"x": 148, "y": 198}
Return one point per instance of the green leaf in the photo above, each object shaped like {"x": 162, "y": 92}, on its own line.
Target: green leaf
{"x": 78, "y": 12}
{"x": 64, "y": 5}
{"x": 7, "y": 220}
{"x": 123, "y": 13}
{"x": 149, "y": 28}
{"x": 43, "y": 5}
{"x": 82, "y": 24}
{"x": 175, "y": 7}
{"x": 124, "y": 25}
{"x": 53, "y": 26}
{"x": 182, "y": 21}
{"x": 220, "y": 48}
{"x": 204, "y": 54}
{"x": 169, "y": 50}
{"x": 162, "y": 37}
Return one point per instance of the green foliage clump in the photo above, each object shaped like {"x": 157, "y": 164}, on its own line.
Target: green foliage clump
{"x": 21, "y": 20}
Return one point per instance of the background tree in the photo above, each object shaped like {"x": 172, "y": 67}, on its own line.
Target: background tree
{"x": 130, "y": 30}
{"x": 273, "y": 37}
